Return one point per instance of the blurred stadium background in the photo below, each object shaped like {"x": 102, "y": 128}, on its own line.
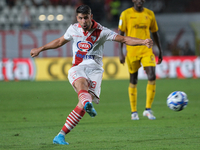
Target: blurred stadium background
{"x": 25, "y": 24}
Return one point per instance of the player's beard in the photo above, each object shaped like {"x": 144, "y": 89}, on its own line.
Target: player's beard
{"x": 139, "y": 6}
{"x": 86, "y": 27}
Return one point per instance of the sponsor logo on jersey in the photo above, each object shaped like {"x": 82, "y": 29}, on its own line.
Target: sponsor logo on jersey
{"x": 83, "y": 55}
{"x": 93, "y": 38}
{"x": 76, "y": 35}
{"x": 140, "y": 26}
{"x": 73, "y": 75}
{"x": 133, "y": 17}
{"x": 84, "y": 45}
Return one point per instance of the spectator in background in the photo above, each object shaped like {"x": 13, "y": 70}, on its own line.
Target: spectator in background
{"x": 11, "y": 3}
{"x": 55, "y": 2}
{"x": 38, "y": 3}
{"x": 65, "y": 2}
{"x": 175, "y": 49}
{"x": 26, "y": 18}
{"x": 108, "y": 9}
{"x": 187, "y": 51}
{"x": 98, "y": 9}
{"x": 76, "y": 3}
{"x": 114, "y": 10}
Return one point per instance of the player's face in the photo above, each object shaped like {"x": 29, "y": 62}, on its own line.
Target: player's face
{"x": 138, "y": 4}
{"x": 85, "y": 20}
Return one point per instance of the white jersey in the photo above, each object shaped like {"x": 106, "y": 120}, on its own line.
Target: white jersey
{"x": 88, "y": 46}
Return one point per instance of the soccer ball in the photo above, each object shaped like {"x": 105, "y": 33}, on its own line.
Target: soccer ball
{"x": 177, "y": 100}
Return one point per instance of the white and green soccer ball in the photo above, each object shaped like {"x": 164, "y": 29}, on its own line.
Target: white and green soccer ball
{"x": 177, "y": 100}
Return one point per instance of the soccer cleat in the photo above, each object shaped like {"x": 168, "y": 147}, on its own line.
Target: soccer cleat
{"x": 149, "y": 114}
{"x": 60, "y": 139}
{"x": 134, "y": 116}
{"x": 90, "y": 109}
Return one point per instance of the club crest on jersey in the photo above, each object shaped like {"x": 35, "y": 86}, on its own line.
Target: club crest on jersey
{"x": 84, "y": 45}
{"x": 93, "y": 38}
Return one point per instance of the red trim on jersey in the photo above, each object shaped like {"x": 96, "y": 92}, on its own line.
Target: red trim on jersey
{"x": 79, "y": 26}
{"x": 95, "y": 24}
{"x": 85, "y": 33}
{"x": 79, "y": 57}
{"x": 94, "y": 36}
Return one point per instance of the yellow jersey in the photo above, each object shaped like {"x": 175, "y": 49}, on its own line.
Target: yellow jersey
{"x": 138, "y": 24}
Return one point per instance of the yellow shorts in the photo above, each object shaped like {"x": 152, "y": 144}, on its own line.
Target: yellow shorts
{"x": 134, "y": 62}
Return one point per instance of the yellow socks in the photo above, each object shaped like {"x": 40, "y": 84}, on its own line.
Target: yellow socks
{"x": 132, "y": 90}
{"x": 150, "y": 93}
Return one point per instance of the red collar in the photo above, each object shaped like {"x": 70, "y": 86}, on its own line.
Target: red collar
{"x": 95, "y": 24}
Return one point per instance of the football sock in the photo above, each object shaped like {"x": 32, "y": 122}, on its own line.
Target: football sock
{"x": 133, "y": 98}
{"x": 150, "y": 94}
{"x": 72, "y": 120}
{"x": 62, "y": 132}
{"x": 84, "y": 97}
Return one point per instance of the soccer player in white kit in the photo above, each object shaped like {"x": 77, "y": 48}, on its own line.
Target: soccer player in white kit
{"x": 85, "y": 76}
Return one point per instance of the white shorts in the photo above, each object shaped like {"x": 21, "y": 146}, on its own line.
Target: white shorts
{"x": 92, "y": 73}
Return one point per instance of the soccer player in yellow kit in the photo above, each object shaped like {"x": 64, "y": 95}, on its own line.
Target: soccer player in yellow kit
{"x": 138, "y": 21}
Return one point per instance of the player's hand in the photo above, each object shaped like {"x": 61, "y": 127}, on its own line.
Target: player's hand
{"x": 35, "y": 52}
{"x": 122, "y": 59}
{"x": 160, "y": 58}
{"x": 148, "y": 43}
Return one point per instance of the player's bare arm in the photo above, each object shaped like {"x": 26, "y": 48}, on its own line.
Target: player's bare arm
{"x": 51, "y": 45}
{"x": 133, "y": 41}
{"x": 121, "y": 54}
{"x": 157, "y": 41}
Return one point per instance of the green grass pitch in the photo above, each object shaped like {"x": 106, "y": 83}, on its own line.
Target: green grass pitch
{"x": 32, "y": 113}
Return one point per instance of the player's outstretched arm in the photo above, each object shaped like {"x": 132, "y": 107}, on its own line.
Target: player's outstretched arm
{"x": 51, "y": 45}
{"x": 133, "y": 41}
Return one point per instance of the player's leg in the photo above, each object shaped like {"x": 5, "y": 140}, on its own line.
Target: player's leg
{"x": 150, "y": 92}
{"x": 78, "y": 79}
{"x": 132, "y": 90}
{"x": 76, "y": 115}
{"x": 84, "y": 96}
{"x": 151, "y": 86}
{"x": 149, "y": 64}
{"x": 72, "y": 120}
{"x": 133, "y": 66}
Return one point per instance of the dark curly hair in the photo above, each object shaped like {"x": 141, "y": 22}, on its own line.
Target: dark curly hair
{"x": 83, "y": 9}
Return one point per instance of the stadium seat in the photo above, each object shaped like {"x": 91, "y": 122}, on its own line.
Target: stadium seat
{"x": 14, "y": 11}
{"x": 50, "y": 9}
{"x": 2, "y": 4}
{"x": 41, "y": 10}
{"x": 5, "y": 11}
{"x": 33, "y": 10}
{"x": 2, "y": 21}
{"x": 19, "y": 3}
{"x": 59, "y": 10}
